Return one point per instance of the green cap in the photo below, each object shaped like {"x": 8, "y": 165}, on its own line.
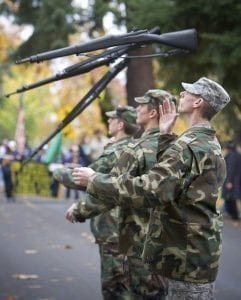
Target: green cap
{"x": 155, "y": 97}
{"x": 126, "y": 113}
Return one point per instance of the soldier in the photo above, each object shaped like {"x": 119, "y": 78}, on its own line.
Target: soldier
{"x": 122, "y": 126}
{"x": 137, "y": 158}
{"x": 184, "y": 237}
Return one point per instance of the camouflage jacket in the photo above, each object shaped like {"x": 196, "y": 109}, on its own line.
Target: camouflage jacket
{"x": 136, "y": 159}
{"x": 105, "y": 225}
{"x": 104, "y": 218}
{"x": 184, "y": 236}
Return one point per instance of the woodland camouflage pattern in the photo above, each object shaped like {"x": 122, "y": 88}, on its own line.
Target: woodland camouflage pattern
{"x": 105, "y": 226}
{"x": 184, "y": 236}
{"x": 137, "y": 158}
{"x": 114, "y": 279}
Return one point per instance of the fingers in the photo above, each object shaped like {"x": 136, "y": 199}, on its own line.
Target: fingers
{"x": 160, "y": 110}
{"x": 167, "y": 107}
{"x": 69, "y": 216}
{"x": 173, "y": 107}
{"x": 81, "y": 175}
{"x": 77, "y": 175}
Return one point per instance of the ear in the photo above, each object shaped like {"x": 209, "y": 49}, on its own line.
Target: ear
{"x": 198, "y": 102}
{"x": 120, "y": 125}
{"x": 153, "y": 113}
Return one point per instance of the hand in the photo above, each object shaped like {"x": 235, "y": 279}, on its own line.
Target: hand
{"x": 69, "y": 214}
{"x": 81, "y": 175}
{"x": 168, "y": 116}
{"x": 229, "y": 185}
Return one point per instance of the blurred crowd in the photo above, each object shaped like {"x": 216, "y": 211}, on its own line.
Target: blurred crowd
{"x": 76, "y": 154}
{"x": 231, "y": 192}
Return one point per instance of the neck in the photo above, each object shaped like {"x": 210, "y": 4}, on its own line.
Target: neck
{"x": 195, "y": 119}
{"x": 150, "y": 125}
{"x": 120, "y": 135}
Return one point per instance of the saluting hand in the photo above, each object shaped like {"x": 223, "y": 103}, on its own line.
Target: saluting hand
{"x": 168, "y": 115}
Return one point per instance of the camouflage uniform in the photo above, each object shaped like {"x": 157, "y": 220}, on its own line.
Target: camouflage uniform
{"x": 105, "y": 230}
{"x": 136, "y": 159}
{"x": 184, "y": 236}
{"x": 115, "y": 281}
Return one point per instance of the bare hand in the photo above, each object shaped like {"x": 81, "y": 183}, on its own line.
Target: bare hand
{"x": 81, "y": 175}
{"x": 168, "y": 116}
{"x": 69, "y": 214}
{"x": 229, "y": 185}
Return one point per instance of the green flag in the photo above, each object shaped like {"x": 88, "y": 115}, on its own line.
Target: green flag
{"x": 54, "y": 149}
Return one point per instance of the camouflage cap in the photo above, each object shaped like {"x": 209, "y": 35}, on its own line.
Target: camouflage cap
{"x": 126, "y": 113}
{"x": 155, "y": 97}
{"x": 210, "y": 91}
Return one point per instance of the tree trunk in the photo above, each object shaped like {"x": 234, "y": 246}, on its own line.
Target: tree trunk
{"x": 139, "y": 75}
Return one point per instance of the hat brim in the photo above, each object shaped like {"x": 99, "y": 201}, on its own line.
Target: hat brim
{"x": 141, "y": 100}
{"x": 111, "y": 114}
{"x": 190, "y": 88}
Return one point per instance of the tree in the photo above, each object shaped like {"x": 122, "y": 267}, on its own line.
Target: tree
{"x": 219, "y": 49}
{"x": 52, "y": 21}
{"x": 133, "y": 14}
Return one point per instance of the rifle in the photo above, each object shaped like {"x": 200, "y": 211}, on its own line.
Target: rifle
{"x": 106, "y": 58}
{"x": 184, "y": 39}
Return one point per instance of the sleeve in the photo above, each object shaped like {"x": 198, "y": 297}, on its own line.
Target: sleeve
{"x": 64, "y": 176}
{"x": 161, "y": 184}
{"x": 103, "y": 165}
{"x": 90, "y": 207}
{"x": 164, "y": 142}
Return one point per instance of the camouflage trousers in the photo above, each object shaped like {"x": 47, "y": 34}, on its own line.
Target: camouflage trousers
{"x": 114, "y": 278}
{"x": 180, "y": 290}
{"x": 143, "y": 284}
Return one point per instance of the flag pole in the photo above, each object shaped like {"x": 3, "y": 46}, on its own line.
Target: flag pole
{"x": 20, "y": 136}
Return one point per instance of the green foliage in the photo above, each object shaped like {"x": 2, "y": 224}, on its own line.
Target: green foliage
{"x": 100, "y": 8}
{"x": 36, "y": 104}
{"x": 53, "y": 21}
{"x": 219, "y": 48}
{"x": 144, "y": 14}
